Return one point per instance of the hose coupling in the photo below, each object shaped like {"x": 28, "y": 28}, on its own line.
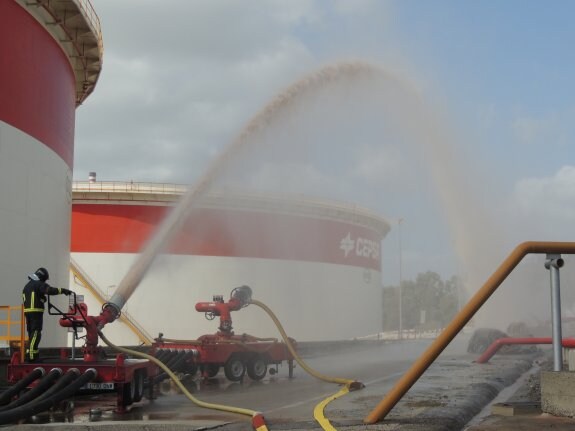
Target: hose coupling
{"x": 355, "y": 386}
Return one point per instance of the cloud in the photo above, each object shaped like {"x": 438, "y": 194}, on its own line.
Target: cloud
{"x": 180, "y": 79}
{"x": 548, "y": 198}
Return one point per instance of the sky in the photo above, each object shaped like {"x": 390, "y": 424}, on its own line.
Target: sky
{"x": 182, "y": 78}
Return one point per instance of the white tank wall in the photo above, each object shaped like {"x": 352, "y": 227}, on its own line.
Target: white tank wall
{"x": 314, "y": 301}
{"x": 35, "y": 211}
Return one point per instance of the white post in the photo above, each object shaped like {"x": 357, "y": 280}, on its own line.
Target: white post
{"x": 400, "y": 330}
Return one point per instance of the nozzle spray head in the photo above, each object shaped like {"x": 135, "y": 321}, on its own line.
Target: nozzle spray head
{"x": 110, "y": 312}
{"x": 243, "y": 294}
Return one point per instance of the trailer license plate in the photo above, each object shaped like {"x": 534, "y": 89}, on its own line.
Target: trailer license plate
{"x": 105, "y": 386}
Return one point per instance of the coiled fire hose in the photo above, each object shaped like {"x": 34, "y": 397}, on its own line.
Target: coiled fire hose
{"x": 258, "y": 422}
{"x": 349, "y": 385}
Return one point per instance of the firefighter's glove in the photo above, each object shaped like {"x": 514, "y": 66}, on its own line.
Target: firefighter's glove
{"x": 66, "y": 292}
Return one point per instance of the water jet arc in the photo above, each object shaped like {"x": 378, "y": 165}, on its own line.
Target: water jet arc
{"x": 176, "y": 218}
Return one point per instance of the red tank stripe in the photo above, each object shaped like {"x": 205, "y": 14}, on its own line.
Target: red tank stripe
{"x": 231, "y": 233}
{"x": 37, "y": 84}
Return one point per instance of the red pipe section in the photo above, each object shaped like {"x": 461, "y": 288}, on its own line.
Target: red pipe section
{"x": 500, "y": 342}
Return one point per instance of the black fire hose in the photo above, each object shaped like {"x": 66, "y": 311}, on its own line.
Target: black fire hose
{"x": 40, "y": 388}
{"x": 71, "y": 375}
{"x": 38, "y": 406}
{"x": 167, "y": 356}
{"x": 163, "y": 354}
{"x": 9, "y": 393}
{"x": 176, "y": 359}
{"x": 175, "y": 365}
{"x": 178, "y": 365}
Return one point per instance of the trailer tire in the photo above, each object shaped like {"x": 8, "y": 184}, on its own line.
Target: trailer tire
{"x": 234, "y": 369}
{"x": 128, "y": 393}
{"x": 257, "y": 368}
{"x": 138, "y": 382}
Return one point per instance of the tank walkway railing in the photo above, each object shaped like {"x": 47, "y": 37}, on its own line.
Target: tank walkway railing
{"x": 128, "y": 187}
{"x": 125, "y": 318}
{"x": 93, "y": 21}
{"x": 76, "y": 26}
{"x": 237, "y": 198}
{"x": 460, "y": 320}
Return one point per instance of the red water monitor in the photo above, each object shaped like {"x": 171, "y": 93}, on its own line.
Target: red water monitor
{"x": 240, "y": 297}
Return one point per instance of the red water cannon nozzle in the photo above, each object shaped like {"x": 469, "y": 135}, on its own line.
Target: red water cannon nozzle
{"x": 240, "y": 297}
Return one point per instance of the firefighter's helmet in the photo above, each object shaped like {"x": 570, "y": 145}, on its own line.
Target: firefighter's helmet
{"x": 42, "y": 274}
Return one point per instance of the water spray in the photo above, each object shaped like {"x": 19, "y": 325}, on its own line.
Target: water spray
{"x": 176, "y": 218}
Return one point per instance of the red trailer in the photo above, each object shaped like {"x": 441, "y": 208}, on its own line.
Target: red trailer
{"x": 237, "y": 354}
{"x": 122, "y": 375}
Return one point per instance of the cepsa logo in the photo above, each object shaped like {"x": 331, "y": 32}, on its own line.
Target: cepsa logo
{"x": 363, "y": 247}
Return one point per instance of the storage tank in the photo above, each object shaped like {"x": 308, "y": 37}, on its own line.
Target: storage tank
{"x": 316, "y": 263}
{"x": 50, "y": 60}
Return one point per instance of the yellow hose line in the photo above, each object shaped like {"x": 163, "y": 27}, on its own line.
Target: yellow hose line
{"x": 294, "y": 353}
{"x": 177, "y": 381}
{"x": 318, "y": 410}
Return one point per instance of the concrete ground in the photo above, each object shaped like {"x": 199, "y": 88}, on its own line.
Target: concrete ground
{"x": 522, "y": 410}
{"x": 500, "y": 395}
{"x": 454, "y": 394}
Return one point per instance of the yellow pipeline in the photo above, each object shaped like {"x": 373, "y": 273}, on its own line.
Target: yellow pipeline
{"x": 460, "y": 320}
{"x": 350, "y": 385}
{"x": 257, "y": 418}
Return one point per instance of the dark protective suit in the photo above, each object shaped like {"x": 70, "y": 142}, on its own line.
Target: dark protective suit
{"x": 34, "y": 297}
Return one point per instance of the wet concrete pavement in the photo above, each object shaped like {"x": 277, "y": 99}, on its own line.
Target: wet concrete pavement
{"x": 522, "y": 409}
{"x": 453, "y": 392}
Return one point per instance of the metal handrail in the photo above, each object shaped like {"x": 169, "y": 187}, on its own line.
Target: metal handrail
{"x": 93, "y": 21}
{"x": 128, "y": 187}
{"x": 460, "y": 320}
{"x": 9, "y": 322}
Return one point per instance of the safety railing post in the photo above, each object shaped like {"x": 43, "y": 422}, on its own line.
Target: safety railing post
{"x": 553, "y": 263}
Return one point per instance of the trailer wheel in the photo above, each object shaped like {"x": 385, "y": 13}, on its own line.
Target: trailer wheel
{"x": 128, "y": 393}
{"x": 138, "y": 383}
{"x": 257, "y": 368}
{"x": 234, "y": 369}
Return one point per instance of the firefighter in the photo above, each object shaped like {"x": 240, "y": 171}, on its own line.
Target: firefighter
{"x": 34, "y": 297}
